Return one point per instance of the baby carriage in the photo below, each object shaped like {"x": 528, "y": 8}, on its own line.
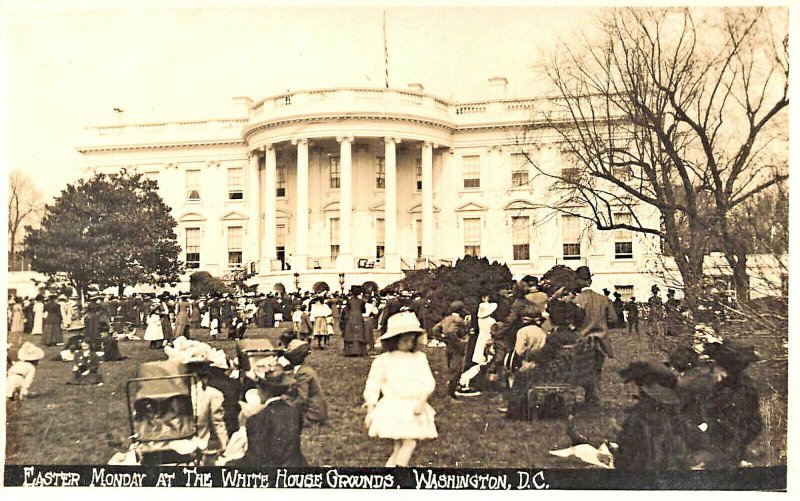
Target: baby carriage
{"x": 162, "y": 414}
{"x": 549, "y": 389}
{"x": 249, "y": 352}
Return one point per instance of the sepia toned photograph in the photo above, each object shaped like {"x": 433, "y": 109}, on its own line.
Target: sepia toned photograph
{"x": 396, "y": 246}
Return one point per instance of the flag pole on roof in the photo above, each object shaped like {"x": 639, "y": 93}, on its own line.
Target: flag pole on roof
{"x": 385, "y": 51}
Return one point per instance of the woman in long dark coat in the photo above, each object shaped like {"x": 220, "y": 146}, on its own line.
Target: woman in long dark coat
{"x": 355, "y": 335}
{"x": 182, "y": 318}
{"x": 166, "y": 325}
{"x": 27, "y": 311}
{"x": 92, "y": 323}
{"x": 51, "y": 329}
{"x": 194, "y": 315}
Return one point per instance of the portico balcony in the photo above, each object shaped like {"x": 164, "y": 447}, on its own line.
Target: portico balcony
{"x": 405, "y": 104}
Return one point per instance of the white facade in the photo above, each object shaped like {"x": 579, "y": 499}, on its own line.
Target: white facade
{"x": 329, "y": 181}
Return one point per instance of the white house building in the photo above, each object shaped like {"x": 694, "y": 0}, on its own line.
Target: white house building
{"x": 365, "y": 182}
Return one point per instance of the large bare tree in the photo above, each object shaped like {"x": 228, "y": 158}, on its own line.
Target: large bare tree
{"x": 25, "y": 208}
{"x": 681, "y": 112}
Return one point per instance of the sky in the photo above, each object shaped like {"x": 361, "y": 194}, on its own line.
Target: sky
{"x": 70, "y": 63}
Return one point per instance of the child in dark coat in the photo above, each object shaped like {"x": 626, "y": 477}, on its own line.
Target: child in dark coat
{"x": 309, "y": 389}
{"x": 273, "y": 434}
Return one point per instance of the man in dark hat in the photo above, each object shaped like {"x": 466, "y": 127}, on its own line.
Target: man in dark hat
{"x": 655, "y": 317}
{"x": 672, "y": 313}
{"x": 619, "y": 310}
{"x": 632, "y": 310}
{"x": 597, "y": 312}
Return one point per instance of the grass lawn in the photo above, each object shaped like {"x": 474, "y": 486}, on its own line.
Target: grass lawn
{"x": 66, "y": 424}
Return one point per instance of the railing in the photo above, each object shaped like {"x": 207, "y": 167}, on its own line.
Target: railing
{"x": 228, "y": 129}
{"x": 321, "y": 263}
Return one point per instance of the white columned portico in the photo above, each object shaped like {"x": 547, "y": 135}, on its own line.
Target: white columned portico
{"x": 268, "y": 244}
{"x": 299, "y": 261}
{"x": 391, "y": 257}
{"x": 427, "y": 200}
{"x": 252, "y": 207}
{"x": 345, "y": 258}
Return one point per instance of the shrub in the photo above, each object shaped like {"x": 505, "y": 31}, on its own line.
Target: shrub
{"x": 465, "y": 281}
{"x": 202, "y": 282}
{"x": 559, "y": 276}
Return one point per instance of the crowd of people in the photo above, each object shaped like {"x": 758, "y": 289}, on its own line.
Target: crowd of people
{"x": 697, "y": 409}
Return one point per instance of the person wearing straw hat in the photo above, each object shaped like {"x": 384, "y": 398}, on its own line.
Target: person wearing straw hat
{"x": 23, "y": 371}
{"x": 397, "y": 389}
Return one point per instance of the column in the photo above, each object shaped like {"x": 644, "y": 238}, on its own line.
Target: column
{"x": 391, "y": 257}
{"x": 427, "y": 200}
{"x": 268, "y": 243}
{"x": 345, "y": 259}
{"x": 251, "y": 181}
{"x": 299, "y": 260}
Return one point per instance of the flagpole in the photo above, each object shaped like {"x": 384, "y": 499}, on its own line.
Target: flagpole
{"x": 385, "y": 51}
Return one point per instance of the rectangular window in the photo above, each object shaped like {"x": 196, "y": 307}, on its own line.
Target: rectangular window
{"x": 418, "y": 175}
{"x": 625, "y": 291}
{"x": 571, "y": 236}
{"x": 280, "y": 235}
{"x": 380, "y": 173}
{"x": 472, "y": 171}
{"x": 335, "y": 173}
{"x": 334, "y": 237}
{"x": 280, "y": 181}
{"x": 235, "y": 234}
{"x": 419, "y": 237}
{"x": 520, "y": 174}
{"x": 235, "y": 183}
{"x": 193, "y": 248}
{"x": 521, "y": 238}
{"x": 622, "y": 173}
{"x": 472, "y": 236}
{"x": 193, "y": 184}
{"x": 623, "y": 239}
{"x": 570, "y": 174}
{"x": 380, "y": 235}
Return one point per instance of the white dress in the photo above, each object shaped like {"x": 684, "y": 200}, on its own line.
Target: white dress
{"x": 400, "y": 380}
{"x": 38, "y": 317}
{"x": 153, "y": 331}
{"x": 484, "y": 334}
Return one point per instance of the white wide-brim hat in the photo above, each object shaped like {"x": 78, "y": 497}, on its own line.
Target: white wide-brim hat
{"x": 404, "y": 322}
{"x": 29, "y": 352}
{"x": 486, "y": 309}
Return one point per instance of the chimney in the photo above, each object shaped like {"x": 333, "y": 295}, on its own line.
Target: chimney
{"x": 499, "y": 87}
{"x": 416, "y": 87}
{"x": 244, "y": 103}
